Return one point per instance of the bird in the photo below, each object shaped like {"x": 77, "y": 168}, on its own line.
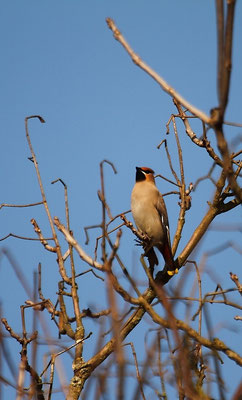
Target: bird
{"x": 150, "y": 216}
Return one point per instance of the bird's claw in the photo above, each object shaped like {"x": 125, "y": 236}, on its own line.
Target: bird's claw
{"x": 171, "y": 273}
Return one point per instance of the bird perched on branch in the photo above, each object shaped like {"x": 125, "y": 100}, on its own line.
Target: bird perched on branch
{"x": 150, "y": 216}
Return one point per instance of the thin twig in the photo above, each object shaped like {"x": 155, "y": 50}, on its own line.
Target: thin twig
{"x": 235, "y": 279}
{"x": 58, "y": 248}
{"x": 136, "y": 368}
{"x": 23, "y": 238}
{"x": 20, "y": 205}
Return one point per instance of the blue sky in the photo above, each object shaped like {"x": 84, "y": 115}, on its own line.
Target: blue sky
{"x": 60, "y": 60}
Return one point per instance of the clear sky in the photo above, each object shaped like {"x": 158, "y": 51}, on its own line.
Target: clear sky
{"x": 60, "y": 60}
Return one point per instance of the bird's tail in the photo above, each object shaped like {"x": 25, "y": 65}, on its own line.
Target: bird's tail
{"x": 169, "y": 260}
{"x": 153, "y": 260}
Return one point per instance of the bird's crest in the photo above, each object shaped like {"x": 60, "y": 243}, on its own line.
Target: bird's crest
{"x": 147, "y": 170}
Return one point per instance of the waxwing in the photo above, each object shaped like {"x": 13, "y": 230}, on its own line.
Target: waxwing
{"x": 150, "y": 216}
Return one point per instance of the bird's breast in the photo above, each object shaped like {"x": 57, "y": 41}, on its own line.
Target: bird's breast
{"x": 146, "y": 215}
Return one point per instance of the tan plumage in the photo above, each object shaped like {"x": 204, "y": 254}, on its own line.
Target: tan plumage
{"x": 150, "y": 215}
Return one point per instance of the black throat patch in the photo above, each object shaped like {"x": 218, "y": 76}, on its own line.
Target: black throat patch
{"x": 142, "y": 172}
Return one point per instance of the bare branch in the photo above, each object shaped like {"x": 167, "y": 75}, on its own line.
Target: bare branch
{"x": 41, "y": 237}
{"x": 58, "y": 248}
{"x": 20, "y": 205}
{"x": 23, "y": 238}
{"x": 164, "y": 85}
{"x": 235, "y": 279}
{"x": 70, "y": 239}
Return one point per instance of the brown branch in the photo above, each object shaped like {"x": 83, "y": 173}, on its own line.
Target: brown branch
{"x": 184, "y": 372}
{"x": 191, "y": 134}
{"x": 24, "y": 365}
{"x": 226, "y": 61}
{"x": 104, "y": 207}
{"x": 86, "y": 228}
{"x": 225, "y": 42}
{"x": 22, "y": 238}
{"x": 235, "y": 279}
{"x": 234, "y": 155}
{"x": 66, "y": 201}
{"x": 41, "y": 237}
{"x": 161, "y": 373}
{"x": 93, "y": 272}
{"x": 214, "y": 344}
{"x": 51, "y": 363}
{"x": 87, "y": 368}
{"x": 64, "y": 324}
{"x": 115, "y": 247}
{"x": 20, "y": 205}
{"x": 58, "y": 248}
{"x": 236, "y": 124}
{"x": 133, "y": 320}
{"x": 213, "y": 294}
{"x": 191, "y": 299}
{"x": 220, "y": 45}
{"x": 228, "y": 206}
{"x": 200, "y": 295}
{"x": 170, "y": 162}
{"x": 184, "y": 205}
{"x": 138, "y": 234}
{"x": 90, "y": 314}
{"x": 11, "y": 331}
{"x": 80, "y": 331}
{"x": 46, "y": 302}
{"x": 116, "y": 325}
{"x": 169, "y": 193}
{"x": 136, "y": 317}
{"x": 164, "y": 85}
{"x": 121, "y": 291}
{"x": 198, "y": 233}
{"x": 117, "y": 216}
{"x": 167, "y": 180}
{"x": 71, "y": 240}
{"x": 127, "y": 275}
{"x": 136, "y": 368}
{"x": 227, "y": 159}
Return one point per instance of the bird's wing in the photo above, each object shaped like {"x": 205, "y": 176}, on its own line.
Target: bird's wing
{"x": 161, "y": 208}
{"x": 165, "y": 249}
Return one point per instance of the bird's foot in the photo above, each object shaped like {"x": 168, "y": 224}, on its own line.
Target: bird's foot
{"x": 173, "y": 272}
